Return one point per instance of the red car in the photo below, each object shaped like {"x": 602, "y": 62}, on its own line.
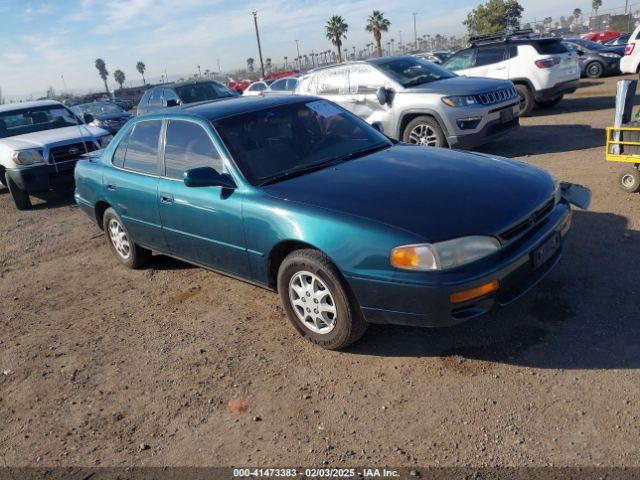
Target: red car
{"x": 602, "y": 37}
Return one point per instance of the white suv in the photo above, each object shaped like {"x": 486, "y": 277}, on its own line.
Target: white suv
{"x": 542, "y": 69}
{"x": 40, "y": 143}
{"x": 630, "y": 63}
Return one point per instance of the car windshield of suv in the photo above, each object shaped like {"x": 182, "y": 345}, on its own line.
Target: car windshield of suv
{"x": 202, "y": 92}
{"x": 97, "y": 109}
{"x": 411, "y": 71}
{"x": 36, "y": 119}
{"x": 288, "y": 140}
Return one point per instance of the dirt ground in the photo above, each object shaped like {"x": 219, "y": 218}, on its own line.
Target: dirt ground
{"x": 111, "y": 367}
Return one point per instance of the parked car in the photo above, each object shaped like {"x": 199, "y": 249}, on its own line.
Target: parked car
{"x": 429, "y": 57}
{"x": 105, "y": 115}
{"x": 298, "y": 195}
{"x": 601, "y": 37}
{"x": 630, "y": 63}
{"x": 417, "y": 101}
{"x": 40, "y": 143}
{"x": 620, "y": 40}
{"x": 282, "y": 86}
{"x": 542, "y": 69}
{"x": 256, "y": 88}
{"x": 595, "y": 60}
{"x": 172, "y": 95}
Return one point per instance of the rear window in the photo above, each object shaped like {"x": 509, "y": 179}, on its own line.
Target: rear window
{"x": 550, "y": 47}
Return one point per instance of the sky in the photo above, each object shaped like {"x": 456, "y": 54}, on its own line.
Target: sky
{"x": 44, "y": 41}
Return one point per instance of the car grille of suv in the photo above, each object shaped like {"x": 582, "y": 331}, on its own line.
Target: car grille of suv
{"x": 62, "y": 153}
{"x": 534, "y": 219}
{"x": 498, "y": 96}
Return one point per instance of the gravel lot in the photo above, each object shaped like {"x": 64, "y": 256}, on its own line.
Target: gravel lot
{"x": 113, "y": 367}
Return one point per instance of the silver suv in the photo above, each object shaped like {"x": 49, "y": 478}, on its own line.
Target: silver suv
{"x": 416, "y": 101}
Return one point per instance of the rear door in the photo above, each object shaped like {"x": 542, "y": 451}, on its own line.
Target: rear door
{"x": 132, "y": 186}
{"x": 364, "y": 82}
{"x": 461, "y": 62}
{"x": 200, "y": 224}
{"x": 491, "y": 61}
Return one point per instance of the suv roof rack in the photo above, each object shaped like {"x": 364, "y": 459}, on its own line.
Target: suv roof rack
{"x": 501, "y": 36}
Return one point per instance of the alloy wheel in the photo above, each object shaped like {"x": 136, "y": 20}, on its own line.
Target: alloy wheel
{"x": 119, "y": 239}
{"x": 312, "y": 302}
{"x": 423, "y": 135}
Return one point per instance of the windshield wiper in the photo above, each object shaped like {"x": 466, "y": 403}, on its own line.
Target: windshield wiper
{"x": 363, "y": 152}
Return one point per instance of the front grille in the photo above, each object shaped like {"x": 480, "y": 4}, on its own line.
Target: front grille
{"x": 72, "y": 151}
{"x": 534, "y": 219}
{"x": 497, "y": 96}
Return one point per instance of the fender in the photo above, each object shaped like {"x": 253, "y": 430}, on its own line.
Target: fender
{"x": 420, "y": 111}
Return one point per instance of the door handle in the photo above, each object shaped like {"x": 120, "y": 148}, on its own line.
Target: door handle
{"x": 111, "y": 187}
{"x": 166, "y": 198}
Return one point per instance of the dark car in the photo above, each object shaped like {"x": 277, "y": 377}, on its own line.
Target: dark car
{"x": 121, "y": 102}
{"x": 172, "y": 95}
{"x": 105, "y": 115}
{"x": 621, "y": 40}
{"x": 296, "y": 194}
{"x": 596, "y": 60}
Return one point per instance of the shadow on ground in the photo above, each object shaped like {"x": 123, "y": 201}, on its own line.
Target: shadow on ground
{"x": 582, "y": 316}
{"x": 577, "y": 105}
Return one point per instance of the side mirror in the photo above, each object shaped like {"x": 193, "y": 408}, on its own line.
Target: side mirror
{"x": 381, "y": 94}
{"x": 207, "y": 177}
{"x": 88, "y": 118}
{"x": 172, "y": 102}
{"x": 378, "y": 126}
{"x": 580, "y": 52}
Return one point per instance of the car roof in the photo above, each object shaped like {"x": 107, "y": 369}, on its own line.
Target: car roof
{"x": 22, "y": 105}
{"x": 230, "y": 107}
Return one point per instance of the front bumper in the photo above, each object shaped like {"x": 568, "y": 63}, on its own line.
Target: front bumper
{"x": 492, "y": 130}
{"x": 42, "y": 178}
{"x": 557, "y": 90}
{"x": 424, "y": 299}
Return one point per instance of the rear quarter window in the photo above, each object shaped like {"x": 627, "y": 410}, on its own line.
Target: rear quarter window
{"x": 551, "y": 47}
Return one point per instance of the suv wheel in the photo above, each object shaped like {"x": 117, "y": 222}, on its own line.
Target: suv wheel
{"x": 424, "y": 131}
{"x": 550, "y": 102}
{"x": 526, "y": 100}
{"x": 317, "y": 302}
{"x": 594, "y": 70}
{"x": 126, "y": 251}
{"x": 20, "y": 197}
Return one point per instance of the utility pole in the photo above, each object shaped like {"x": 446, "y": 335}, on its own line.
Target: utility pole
{"x": 299, "y": 60}
{"x": 66, "y": 90}
{"x": 219, "y": 69}
{"x": 415, "y": 30}
{"x": 255, "y": 22}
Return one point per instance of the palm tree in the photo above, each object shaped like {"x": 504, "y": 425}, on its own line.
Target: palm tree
{"x": 337, "y": 29}
{"x": 250, "y": 62}
{"x": 577, "y": 13}
{"x": 267, "y": 64}
{"x": 285, "y": 62}
{"x": 119, "y": 77}
{"x": 102, "y": 71}
{"x": 377, "y": 24}
{"x": 596, "y": 4}
{"x": 141, "y": 67}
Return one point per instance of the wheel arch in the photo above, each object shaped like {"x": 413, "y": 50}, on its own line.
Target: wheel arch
{"x": 409, "y": 115}
{"x": 278, "y": 253}
{"x": 99, "y": 209}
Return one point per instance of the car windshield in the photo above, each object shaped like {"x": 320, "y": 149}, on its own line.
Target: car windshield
{"x": 97, "y": 109}
{"x": 201, "y": 92}
{"x": 411, "y": 71}
{"x": 36, "y": 119}
{"x": 276, "y": 143}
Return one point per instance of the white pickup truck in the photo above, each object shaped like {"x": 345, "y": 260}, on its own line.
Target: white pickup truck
{"x": 40, "y": 143}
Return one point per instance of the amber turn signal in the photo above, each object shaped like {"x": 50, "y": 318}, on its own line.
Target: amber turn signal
{"x": 473, "y": 293}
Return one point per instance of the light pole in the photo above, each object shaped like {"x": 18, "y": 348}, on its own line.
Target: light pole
{"x": 415, "y": 30}
{"x": 255, "y": 22}
{"x": 298, "y": 50}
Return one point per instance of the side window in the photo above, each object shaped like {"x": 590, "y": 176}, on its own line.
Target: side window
{"x": 292, "y": 83}
{"x": 155, "y": 100}
{"x": 118, "y": 155}
{"x": 460, "y": 60}
{"x": 364, "y": 80}
{"x": 333, "y": 82}
{"x": 188, "y": 146}
{"x": 258, "y": 87}
{"x": 513, "y": 51}
{"x": 145, "y": 98}
{"x": 142, "y": 148}
{"x": 490, "y": 54}
{"x": 169, "y": 94}
{"x": 279, "y": 85}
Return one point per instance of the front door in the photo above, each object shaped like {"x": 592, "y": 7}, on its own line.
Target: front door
{"x": 200, "y": 224}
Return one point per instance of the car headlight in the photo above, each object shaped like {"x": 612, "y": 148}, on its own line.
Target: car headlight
{"x": 460, "y": 101}
{"x": 104, "y": 141}
{"x": 27, "y": 157}
{"x": 443, "y": 255}
{"x": 610, "y": 55}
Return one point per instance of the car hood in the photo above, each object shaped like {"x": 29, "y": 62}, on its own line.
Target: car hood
{"x": 50, "y": 137}
{"x": 437, "y": 194}
{"x": 461, "y": 86}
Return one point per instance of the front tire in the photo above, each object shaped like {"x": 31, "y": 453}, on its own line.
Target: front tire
{"x": 526, "y": 100}
{"x": 594, "y": 70}
{"x": 318, "y": 302}
{"x": 20, "y": 197}
{"x": 425, "y": 131}
{"x": 126, "y": 251}
{"x": 629, "y": 180}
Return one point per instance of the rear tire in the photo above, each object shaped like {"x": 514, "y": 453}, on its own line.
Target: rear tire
{"x": 128, "y": 253}
{"x": 594, "y": 70}
{"x": 425, "y": 131}
{"x": 550, "y": 103}
{"x": 526, "y": 100}
{"x": 317, "y": 300}
{"x": 3, "y": 179}
{"x": 20, "y": 197}
{"x": 629, "y": 180}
